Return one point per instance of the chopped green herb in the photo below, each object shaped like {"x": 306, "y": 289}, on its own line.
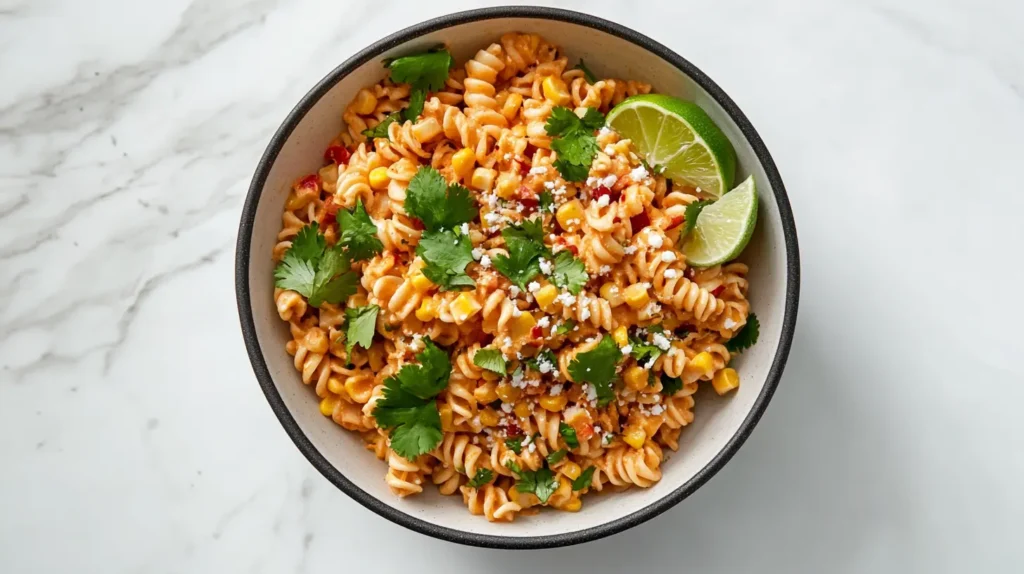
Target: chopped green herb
{"x": 569, "y": 273}
{"x": 490, "y": 359}
{"x": 381, "y": 130}
{"x": 541, "y": 482}
{"x": 584, "y": 479}
{"x": 426, "y": 72}
{"x": 574, "y": 141}
{"x": 360, "y": 325}
{"x": 446, "y": 255}
{"x": 358, "y": 233}
{"x": 568, "y": 435}
{"x": 690, "y": 216}
{"x": 591, "y": 78}
{"x": 597, "y": 367}
{"x": 746, "y": 336}
{"x": 556, "y": 456}
{"x": 482, "y": 477}
{"x": 565, "y": 327}
{"x": 437, "y": 204}
{"x": 670, "y": 385}
{"x": 315, "y": 271}
{"x": 515, "y": 444}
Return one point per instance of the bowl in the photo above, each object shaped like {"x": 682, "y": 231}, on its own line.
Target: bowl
{"x": 722, "y": 423}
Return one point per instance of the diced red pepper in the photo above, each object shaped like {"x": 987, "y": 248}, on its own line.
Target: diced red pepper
{"x": 330, "y": 212}
{"x": 536, "y": 333}
{"x": 639, "y": 221}
{"x": 337, "y": 154}
{"x": 602, "y": 190}
{"x": 575, "y": 250}
{"x": 524, "y": 168}
{"x": 676, "y": 222}
{"x": 311, "y": 181}
{"x": 512, "y": 430}
{"x": 530, "y": 151}
{"x": 417, "y": 224}
{"x": 718, "y": 290}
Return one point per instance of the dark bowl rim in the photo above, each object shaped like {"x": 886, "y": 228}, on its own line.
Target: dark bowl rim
{"x": 459, "y": 536}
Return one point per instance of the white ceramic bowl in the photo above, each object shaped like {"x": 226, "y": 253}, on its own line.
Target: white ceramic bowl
{"x": 722, "y": 423}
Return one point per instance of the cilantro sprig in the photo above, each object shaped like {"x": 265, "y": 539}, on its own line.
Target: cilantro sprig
{"x": 515, "y": 444}
{"x": 525, "y": 244}
{"x": 569, "y": 273}
{"x": 746, "y": 337}
{"x": 597, "y": 367}
{"x": 426, "y": 72}
{"x": 360, "y": 325}
{"x": 541, "y": 482}
{"x": 492, "y": 360}
{"x": 408, "y": 409}
{"x": 358, "y": 233}
{"x": 446, "y": 254}
{"x": 574, "y": 140}
{"x": 591, "y": 78}
{"x": 690, "y": 216}
{"x": 381, "y": 130}
{"x": 670, "y": 385}
{"x": 442, "y": 208}
{"x": 482, "y": 477}
{"x": 584, "y": 479}
{"x": 565, "y": 327}
{"x": 643, "y": 351}
{"x": 315, "y": 271}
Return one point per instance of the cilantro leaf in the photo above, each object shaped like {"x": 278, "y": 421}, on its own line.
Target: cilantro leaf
{"x": 746, "y": 336}
{"x": 568, "y": 435}
{"x": 309, "y": 244}
{"x": 547, "y": 201}
{"x": 482, "y": 477}
{"x": 670, "y": 385}
{"x": 360, "y": 325}
{"x": 561, "y": 121}
{"x": 397, "y": 406}
{"x": 592, "y": 119}
{"x": 430, "y": 376}
{"x": 547, "y": 356}
{"x": 525, "y": 248}
{"x": 597, "y": 367}
{"x": 591, "y": 78}
{"x": 381, "y": 130}
{"x": 569, "y": 273}
{"x": 541, "y": 482}
{"x": 332, "y": 283}
{"x": 358, "y": 233}
{"x": 556, "y": 456}
{"x": 576, "y": 150}
{"x": 490, "y": 359}
{"x": 420, "y": 435}
{"x": 690, "y": 216}
{"x": 428, "y": 70}
{"x": 572, "y": 172}
{"x": 565, "y": 327}
{"x": 446, "y": 255}
{"x": 643, "y": 351}
{"x": 438, "y": 205}
{"x": 584, "y": 479}
{"x": 417, "y": 97}
{"x": 515, "y": 444}
{"x": 295, "y": 274}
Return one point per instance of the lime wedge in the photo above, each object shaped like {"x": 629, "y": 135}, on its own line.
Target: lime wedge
{"x": 723, "y": 228}
{"x": 679, "y": 136}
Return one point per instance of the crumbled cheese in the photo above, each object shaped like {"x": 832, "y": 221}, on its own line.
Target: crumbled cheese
{"x": 671, "y": 273}
{"x": 544, "y": 322}
{"x": 604, "y": 270}
{"x": 555, "y": 390}
{"x": 639, "y": 173}
{"x": 465, "y": 229}
{"x": 477, "y": 253}
{"x": 507, "y": 156}
{"x": 697, "y": 189}
{"x": 655, "y": 240}
{"x": 533, "y": 287}
{"x": 657, "y": 409}
{"x": 538, "y": 170}
{"x": 661, "y": 342}
{"x": 597, "y": 429}
{"x": 485, "y": 261}
{"x": 545, "y": 266}
{"x": 532, "y": 447}
{"x": 513, "y": 291}
{"x": 627, "y": 350}
{"x": 630, "y": 249}
{"x": 527, "y": 440}
{"x": 668, "y": 256}
{"x": 507, "y": 407}
{"x": 584, "y": 313}
{"x": 566, "y": 298}
{"x": 652, "y": 308}
{"x": 516, "y": 312}
{"x": 545, "y": 366}
{"x": 604, "y": 200}
{"x": 491, "y": 218}
{"x": 593, "y": 181}
{"x": 508, "y": 341}
{"x": 609, "y": 149}
{"x": 549, "y": 185}
{"x": 730, "y": 324}
{"x": 591, "y": 391}
{"x": 604, "y": 131}
{"x": 609, "y": 180}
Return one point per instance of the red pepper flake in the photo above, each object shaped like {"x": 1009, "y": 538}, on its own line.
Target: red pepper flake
{"x": 718, "y": 290}
{"x": 512, "y": 429}
{"x": 639, "y": 221}
{"x": 524, "y": 168}
{"x": 676, "y": 222}
{"x": 530, "y": 151}
{"x": 310, "y": 181}
{"x": 536, "y": 333}
{"x": 602, "y": 190}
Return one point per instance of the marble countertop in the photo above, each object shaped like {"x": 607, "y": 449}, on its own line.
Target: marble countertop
{"x": 134, "y": 437}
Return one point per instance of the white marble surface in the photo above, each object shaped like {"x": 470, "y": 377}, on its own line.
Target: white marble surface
{"x": 134, "y": 437}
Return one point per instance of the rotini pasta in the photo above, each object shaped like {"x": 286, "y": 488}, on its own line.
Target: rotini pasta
{"x": 521, "y": 315}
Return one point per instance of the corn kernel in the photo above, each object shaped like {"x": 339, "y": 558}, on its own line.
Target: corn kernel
{"x": 570, "y": 215}
{"x": 636, "y": 295}
{"x": 555, "y": 91}
{"x": 327, "y": 405}
{"x": 507, "y": 393}
{"x": 621, "y": 336}
{"x": 379, "y": 178}
{"x": 571, "y": 470}
{"x": 336, "y": 386}
{"x": 635, "y": 437}
{"x": 489, "y": 375}
{"x": 447, "y": 419}
{"x": 364, "y": 103}
{"x": 427, "y": 310}
{"x": 508, "y": 185}
{"x": 546, "y": 297}
{"x": 359, "y": 387}
{"x": 611, "y": 293}
{"x": 463, "y": 162}
{"x": 488, "y": 417}
{"x": 522, "y": 410}
{"x": 553, "y": 403}
{"x": 725, "y": 381}
{"x": 483, "y": 178}
{"x": 703, "y": 362}
{"x": 421, "y": 283}
{"x": 464, "y": 307}
{"x": 485, "y": 394}
{"x": 574, "y": 504}
{"x": 636, "y": 377}
{"x": 520, "y": 327}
